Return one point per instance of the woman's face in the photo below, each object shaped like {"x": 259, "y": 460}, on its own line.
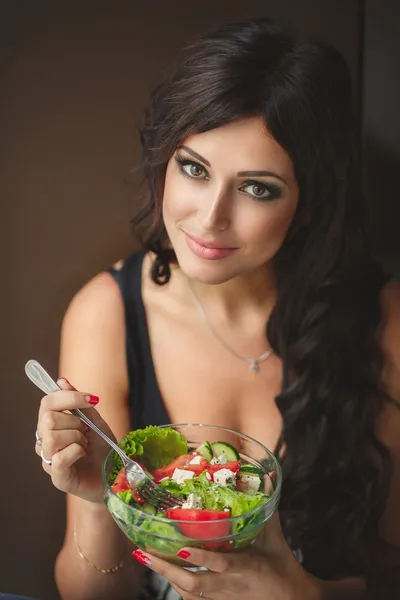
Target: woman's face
{"x": 229, "y": 198}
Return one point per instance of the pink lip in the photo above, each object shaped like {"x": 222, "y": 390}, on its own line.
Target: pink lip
{"x": 208, "y": 250}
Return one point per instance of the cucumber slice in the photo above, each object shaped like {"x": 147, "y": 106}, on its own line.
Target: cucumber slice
{"x": 225, "y": 449}
{"x": 251, "y": 470}
{"x": 205, "y": 450}
{"x": 149, "y": 509}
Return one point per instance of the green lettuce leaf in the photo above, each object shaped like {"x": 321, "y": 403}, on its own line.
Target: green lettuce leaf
{"x": 126, "y": 496}
{"x": 153, "y": 446}
{"x": 216, "y": 497}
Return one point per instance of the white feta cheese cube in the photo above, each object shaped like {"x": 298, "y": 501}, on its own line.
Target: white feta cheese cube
{"x": 251, "y": 482}
{"x": 214, "y": 461}
{"x": 180, "y": 475}
{"x": 224, "y": 477}
{"x": 222, "y": 460}
{"x": 208, "y": 476}
{"x": 196, "y": 460}
{"x": 192, "y": 501}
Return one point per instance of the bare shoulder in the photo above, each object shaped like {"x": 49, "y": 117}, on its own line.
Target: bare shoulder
{"x": 92, "y": 355}
{"x": 390, "y": 303}
{"x": 98, "y": 295}
{"x": 389, "y": 423}
{"x": 390, "y": 337}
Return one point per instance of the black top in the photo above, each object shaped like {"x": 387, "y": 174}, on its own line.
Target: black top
{"x": 147, "y": 407}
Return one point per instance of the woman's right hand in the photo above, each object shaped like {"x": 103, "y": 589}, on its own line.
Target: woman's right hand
{"x": 77, "y": 454}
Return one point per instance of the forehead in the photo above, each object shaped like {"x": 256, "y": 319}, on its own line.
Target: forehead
{"x": 245, "y": 144}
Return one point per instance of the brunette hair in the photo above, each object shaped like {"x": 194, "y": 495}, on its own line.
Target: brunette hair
{"x": 324, "y": 324}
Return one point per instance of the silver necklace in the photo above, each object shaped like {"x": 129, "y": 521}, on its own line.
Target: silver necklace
{"x": 254, "y": 363}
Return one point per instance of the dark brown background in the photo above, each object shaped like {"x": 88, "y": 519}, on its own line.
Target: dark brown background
{"x": 75, "y": 78}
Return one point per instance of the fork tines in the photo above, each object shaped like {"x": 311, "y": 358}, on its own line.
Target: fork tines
{"x": 159, "y": 497}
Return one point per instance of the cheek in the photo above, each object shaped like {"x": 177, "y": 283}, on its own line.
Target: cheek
{"x": 269, "y": 231}
{"x": 176, "y": 201}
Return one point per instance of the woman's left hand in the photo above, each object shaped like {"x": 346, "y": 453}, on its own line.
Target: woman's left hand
{"x": 270, "y": 574}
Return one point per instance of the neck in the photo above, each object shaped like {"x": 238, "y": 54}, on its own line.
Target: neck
{"x": 253, "y": 293}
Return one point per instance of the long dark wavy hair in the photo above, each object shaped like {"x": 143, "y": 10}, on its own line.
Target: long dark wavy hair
{"x": 325, "y": 321}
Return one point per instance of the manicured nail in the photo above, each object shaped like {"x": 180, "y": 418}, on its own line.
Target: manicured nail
{"x": 92, "y": 399}
{"x": 87, "y": 441}
{"x": 87, "y": 428}
{"x": 142, "y": 558}
{"x": 63, "y": 379}
{"x": 183, "y": 554}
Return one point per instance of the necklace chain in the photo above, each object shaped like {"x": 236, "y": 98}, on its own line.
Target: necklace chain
{"x": 254, "y": 363}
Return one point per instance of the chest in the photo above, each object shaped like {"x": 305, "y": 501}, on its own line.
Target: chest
{"x": 202, "y": 382}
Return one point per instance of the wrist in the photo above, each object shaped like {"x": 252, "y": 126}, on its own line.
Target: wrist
{"x": 95, "y": 508}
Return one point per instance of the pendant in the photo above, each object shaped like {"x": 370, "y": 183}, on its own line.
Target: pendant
{"x": 254, "y": 366}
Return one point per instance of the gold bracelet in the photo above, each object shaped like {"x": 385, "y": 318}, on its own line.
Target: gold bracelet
{"x": 105, "y": 571}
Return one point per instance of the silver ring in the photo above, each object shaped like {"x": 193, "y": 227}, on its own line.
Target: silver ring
{"x": 38, "y": 439}
{"x": 46, "y": 460}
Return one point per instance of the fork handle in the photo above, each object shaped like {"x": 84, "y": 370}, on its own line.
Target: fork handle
{"x": 39, "y": 376}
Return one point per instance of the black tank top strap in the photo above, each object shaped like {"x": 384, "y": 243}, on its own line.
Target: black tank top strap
{"x": 147, "y": 407}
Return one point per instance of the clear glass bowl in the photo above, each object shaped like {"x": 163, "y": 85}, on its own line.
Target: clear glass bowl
{"x": 163, "y": 537}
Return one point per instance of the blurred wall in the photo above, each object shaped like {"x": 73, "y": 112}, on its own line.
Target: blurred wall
{"x": 381, "y": 126}
{"x": 74, "y": 80}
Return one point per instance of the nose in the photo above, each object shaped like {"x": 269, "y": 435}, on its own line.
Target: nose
{"x": 215, "y": 213}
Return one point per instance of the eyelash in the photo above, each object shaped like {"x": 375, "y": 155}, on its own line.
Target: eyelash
{"x": 273, "y": 190}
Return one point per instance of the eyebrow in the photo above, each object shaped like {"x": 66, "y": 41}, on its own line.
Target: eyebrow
{"x": 240, "y": 173}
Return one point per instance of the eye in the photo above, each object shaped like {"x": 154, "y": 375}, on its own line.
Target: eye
{"x": 259, "y": 190}
{"x": 191, "y": 169}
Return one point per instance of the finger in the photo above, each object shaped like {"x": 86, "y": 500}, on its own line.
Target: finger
{"x": 214, "y": 595}
{"x": 64, "y": 384}
{"x": 218, "y": 562}
{"x": 194, "y": 583}
{"x": 62, "y": 462}
{"x": 55, "y": 440}
{"x": 66, "y": 400}
{"x": 52, "y": 420}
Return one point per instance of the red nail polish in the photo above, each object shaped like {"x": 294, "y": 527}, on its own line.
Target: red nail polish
{"x": 88, "y": 442}
{"x": 183, "y": 554}
{"x": 87, "y": 428}
{"x": 92, "y": 399}
{"x": 142, "y": 558}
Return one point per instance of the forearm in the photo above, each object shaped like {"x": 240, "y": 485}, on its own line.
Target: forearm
{"x": 103, "y": 544}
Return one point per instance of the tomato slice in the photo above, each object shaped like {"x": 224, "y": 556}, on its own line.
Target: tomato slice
{"x": 121, "y": 485}
{"x": 197, "y": 469}
{"x": 180, "y": 462}
{"x": 201, "y": 530}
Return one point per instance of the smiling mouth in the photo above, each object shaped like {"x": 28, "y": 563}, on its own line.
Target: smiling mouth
{"x": 209, "y": 244}
{"x": 208, "y": 250}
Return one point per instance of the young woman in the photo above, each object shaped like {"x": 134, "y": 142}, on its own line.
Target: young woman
{"x": 255, "y": 306}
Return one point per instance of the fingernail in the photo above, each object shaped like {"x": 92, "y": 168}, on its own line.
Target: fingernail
{"x": 87, "y": 428}
{"x": 142, "y": 558}
{"x": 63, "y": 379}
{"x": 183, "y": 554}
{"x": 87, "y": 441}
{"x": 92, "y": 399}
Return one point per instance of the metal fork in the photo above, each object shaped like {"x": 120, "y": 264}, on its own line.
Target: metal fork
{"x": 137, "y": 478}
